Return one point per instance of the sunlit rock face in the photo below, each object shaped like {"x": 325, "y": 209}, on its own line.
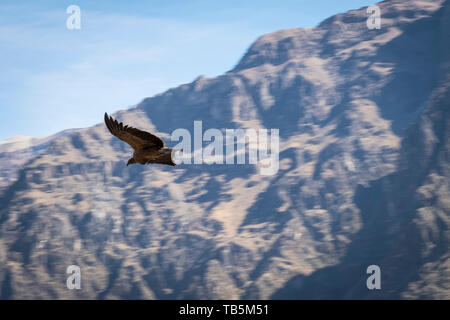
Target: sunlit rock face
{"x": 363, "y": 178}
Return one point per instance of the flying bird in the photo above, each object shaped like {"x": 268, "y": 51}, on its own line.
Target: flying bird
{"x": 148, "y": 148}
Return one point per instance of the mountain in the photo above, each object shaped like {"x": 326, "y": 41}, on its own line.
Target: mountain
{"x": 363, "y": 121}
{"x": 405, "y": 217}
{"x": 16, "y": 151}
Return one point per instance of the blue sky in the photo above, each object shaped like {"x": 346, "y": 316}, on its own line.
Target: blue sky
{"x": 53, "y": 78}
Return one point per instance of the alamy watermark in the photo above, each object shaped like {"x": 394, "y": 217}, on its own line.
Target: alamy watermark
{"x": 374, "y": 281}
{"x": 224, "y": 148}
{"x": 374, "y": 20}
{"x": 73, "y": 22}
{"x": 74, "y": 279}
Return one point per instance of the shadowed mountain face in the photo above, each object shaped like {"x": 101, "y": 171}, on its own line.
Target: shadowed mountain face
{"x": 364, "y": 179}
{"x": 405, "y": 222}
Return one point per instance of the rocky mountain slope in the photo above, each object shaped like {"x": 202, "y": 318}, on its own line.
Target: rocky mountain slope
{"x": 363, "y": 179}
{"x": 16, "y": 151}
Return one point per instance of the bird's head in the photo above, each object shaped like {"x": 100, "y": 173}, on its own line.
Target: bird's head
{"x": 131, "y": 161}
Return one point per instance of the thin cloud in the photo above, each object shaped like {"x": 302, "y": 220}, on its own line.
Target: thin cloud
{"x": 114, "y": 61}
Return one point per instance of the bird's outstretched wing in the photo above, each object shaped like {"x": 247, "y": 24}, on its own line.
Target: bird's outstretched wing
{"x": 136, "y": 138}
{"x": 163, "y": 159}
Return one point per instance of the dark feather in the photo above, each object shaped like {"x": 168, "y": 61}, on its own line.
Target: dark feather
{"x": 136, "y": 138}
{"x": 163, "y": 159}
